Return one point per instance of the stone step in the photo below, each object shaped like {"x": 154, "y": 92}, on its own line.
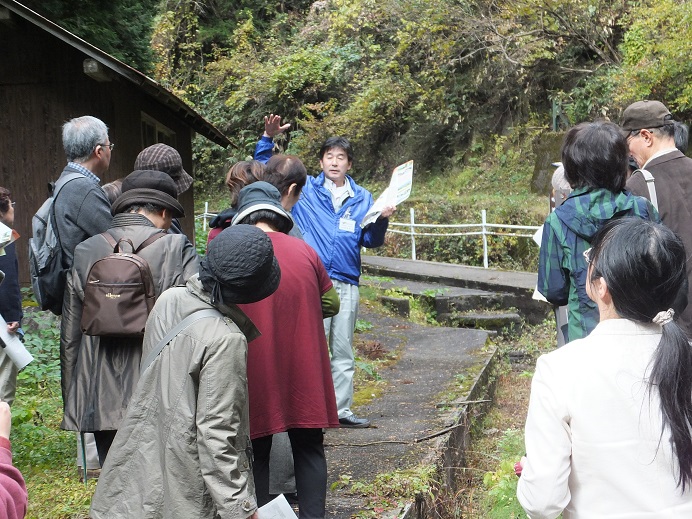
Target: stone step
{"x": 448, "y": 280}
{"x": 497, "y": 321}
{"x": 454, "y": 306}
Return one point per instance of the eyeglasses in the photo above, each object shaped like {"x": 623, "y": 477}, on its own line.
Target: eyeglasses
{"x": 587, "y": 256}
{"x": 633, "y": 134}
{"x": 109, "y": 146}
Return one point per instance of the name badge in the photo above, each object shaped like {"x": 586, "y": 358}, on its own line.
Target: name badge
{"x": 347, "y": 225}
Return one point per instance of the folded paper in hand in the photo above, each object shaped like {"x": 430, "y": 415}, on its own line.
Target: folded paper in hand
{"x": 7, "y": 236}
{"x": 13, "y": 347}
{"x": 399, "y": 190}
{"x": 277, "y": 508}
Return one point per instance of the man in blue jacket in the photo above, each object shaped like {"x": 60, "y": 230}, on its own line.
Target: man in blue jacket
{"x": 329, "y": 213}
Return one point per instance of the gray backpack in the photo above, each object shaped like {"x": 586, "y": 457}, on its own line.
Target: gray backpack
{"x": 48, "y": 272}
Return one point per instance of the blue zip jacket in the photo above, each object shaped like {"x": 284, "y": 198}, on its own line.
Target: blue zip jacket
{"x": 329, "y": 232}
{"x": 339, "y": 249}
{"x": 264, "y": 149}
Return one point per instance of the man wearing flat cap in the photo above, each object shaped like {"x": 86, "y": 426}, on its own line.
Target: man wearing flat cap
{"x": 99, "y": 374}
{"x": 183, "y": 449}
{"x": 650, "y": 132}
{"x": 162, "y": 157}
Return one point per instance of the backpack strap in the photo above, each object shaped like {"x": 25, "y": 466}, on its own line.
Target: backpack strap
{"x": 172, "y": 334}
{"x": 54, "y": 190}
{"x": 651, "y": 186}
{"x": 60, "y": 183}
{"x": 115, "y": 245}
{"x": 151, "y": 239}
{"x": 109, "y": 238}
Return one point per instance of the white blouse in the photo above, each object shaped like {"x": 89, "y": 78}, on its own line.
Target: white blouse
{"x": 593, "y": 432}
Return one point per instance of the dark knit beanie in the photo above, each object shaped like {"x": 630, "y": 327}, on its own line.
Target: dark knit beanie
{"x": 240, "y": 266}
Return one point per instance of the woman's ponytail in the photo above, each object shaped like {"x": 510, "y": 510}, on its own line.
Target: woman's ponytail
{"x": 643, "y": 265}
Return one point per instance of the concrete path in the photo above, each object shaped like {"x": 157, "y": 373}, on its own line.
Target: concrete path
{"x": 431, "y": 359}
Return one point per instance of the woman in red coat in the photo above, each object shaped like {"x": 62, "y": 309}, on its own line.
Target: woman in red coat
{"x": 289, "y": 375}
{"x": 13, "y": 495}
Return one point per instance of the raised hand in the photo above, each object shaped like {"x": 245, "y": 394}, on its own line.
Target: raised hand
{"x": 273, "y": 126}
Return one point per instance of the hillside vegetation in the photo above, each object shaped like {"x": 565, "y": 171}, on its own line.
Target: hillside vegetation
{"x": 421, "y": 79}
{"x": 464, "y": 89}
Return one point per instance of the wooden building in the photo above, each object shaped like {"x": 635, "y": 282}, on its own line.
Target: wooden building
{"x": 48, "y": 76}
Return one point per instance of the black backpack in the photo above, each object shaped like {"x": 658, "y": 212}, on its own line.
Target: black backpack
{"x": 119, "y": 291}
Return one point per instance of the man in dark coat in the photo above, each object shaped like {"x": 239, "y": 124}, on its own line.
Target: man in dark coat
{"x": 99, "y": 374}
{"x": 82, "y": 208}
{"x": 650, "y": 132}
{"x": 10, "y": 299}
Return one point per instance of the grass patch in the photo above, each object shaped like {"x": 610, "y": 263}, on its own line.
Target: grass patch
{"x": 44, "y": 453}
{"x": 391, "y": 490}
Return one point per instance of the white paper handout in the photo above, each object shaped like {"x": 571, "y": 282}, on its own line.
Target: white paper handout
{"x": 277, "y": 508}
{"x": 399, "y": 190}
{"x": 7, "y": 236}
{"x": 537, "y": 237}
{"x": 14, "y": 348}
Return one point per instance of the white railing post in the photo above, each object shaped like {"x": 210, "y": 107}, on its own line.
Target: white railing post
{"x": 485, "y": 239}
{"x": 206, "y": 212}
{"x": 413, "y": 236}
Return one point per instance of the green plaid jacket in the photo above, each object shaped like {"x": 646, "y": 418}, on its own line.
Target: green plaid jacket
{"x": 567, "y": 233}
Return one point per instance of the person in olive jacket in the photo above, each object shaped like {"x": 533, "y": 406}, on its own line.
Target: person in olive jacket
{"x": 183, "y": 450}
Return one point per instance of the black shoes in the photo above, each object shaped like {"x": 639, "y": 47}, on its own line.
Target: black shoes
{"x": 353, "y": 422}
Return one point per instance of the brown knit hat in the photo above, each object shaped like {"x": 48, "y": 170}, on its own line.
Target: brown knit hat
{"x": 162, "y": 157}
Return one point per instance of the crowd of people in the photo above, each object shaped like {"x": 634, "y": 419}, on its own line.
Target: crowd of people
{"x": 609, "y": 427}
{"x": 183, "y": 417}
{"x": 247, "y": 354}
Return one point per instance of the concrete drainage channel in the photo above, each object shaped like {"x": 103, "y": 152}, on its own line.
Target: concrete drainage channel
{"x": 449, "y": 454}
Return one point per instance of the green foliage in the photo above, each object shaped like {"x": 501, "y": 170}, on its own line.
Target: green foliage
{"x": 434, "y": 292}
{"x": 535, "y": 340}
{"x": 403, "y": 79}
{"x": 499, "y": 183}
{"x": 406, "y": 79}
{"x": 119, "y": 27}
{"x": 38, "y": 385}
{"x": 43, "y": 342}
{"x": 367, "y": 367}
{"x": 591, "y": 98}
{"x": 176, "y": 47}
{"x": 390, "y": 490}
{"x": 422, "y": 310}
{"x": 43, "y": 453}
{"x": 400, "y": 78}
{"x": 201, "y": 237}
{"x": 502, "y": 483}
{"x": 363, "y": 325}
{"x": 655, "y": 51}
